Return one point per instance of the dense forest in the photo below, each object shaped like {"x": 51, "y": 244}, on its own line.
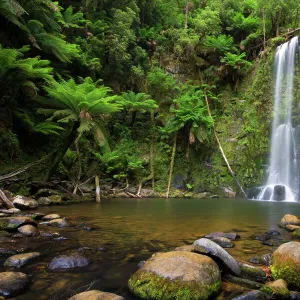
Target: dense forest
{"x": 140, "y": 93}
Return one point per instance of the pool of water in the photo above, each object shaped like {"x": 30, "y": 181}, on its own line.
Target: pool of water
{"x": 128, "y": 231}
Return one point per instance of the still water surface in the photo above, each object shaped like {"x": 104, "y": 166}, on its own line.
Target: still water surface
{"x": 130, "y": 230}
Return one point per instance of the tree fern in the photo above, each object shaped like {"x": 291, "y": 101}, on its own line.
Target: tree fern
{"x": 138, "y": 102}
{"x": 69, "y": 19}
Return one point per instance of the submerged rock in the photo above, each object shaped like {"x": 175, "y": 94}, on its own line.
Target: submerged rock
{"x": 176, "y": 275}
{"x": 285, "y": 264}
{"x": 223, "y": 242}
{"x": 29, "y": 230}
{"x": 96, "y": 295}
{"x": 228, "y": 235}
{"x": 51, "y": 217}
{"x": 61, "y": 223}
{"x": 13, "y": 223}
{"x": 68, "y": 262}
{"x": 12, "y": 283}
{"x": 24, "y": 203}
{"x": 20, "y": 260}
{"x": 218, "y": 252}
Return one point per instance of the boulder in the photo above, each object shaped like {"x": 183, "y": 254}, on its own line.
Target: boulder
{"x": 176, "y": 275}
{"x": 253, "y": 295}
{"x": 227, "y": 235}
{"x": 296, "y": 234}
{"x": 44, "y": 201}
{"x": 68, "y": 262}
{"x": 51, "y": 217}
{"x": 96, "y": 295}
{"x": 218, "y": 253}
{"x": 24, "y": 203}
{"x": 252, "y": 273}
{"x": 289, "y": 220}
{"x": 223, "y": 242}
{"x": 12, "y": 283}
{"x": 29, "y": 230}
{"x": 20, "y": 260}
{"x": 285, "y": 264}
{"x": 13, "y": 223}
{"x": 61, "y": 223}
{"x": 55, "y": 199}
{"x": 276, "y": 289}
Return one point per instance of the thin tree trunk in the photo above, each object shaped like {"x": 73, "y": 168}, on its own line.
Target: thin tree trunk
{"x": 152, "y": 173}
{"x": 79, "y": 167}
{"x": 4, "y": 200}
{"x": 58, "y": 156}
{"x": 97, "y": 184}
{"x": 221, "y": 149}
{"x": 264, "y": 27}
{"x": 186, "y": 15}
{"x": 172, "y": 165}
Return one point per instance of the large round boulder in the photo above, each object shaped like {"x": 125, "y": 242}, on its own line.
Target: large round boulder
{"x": 176, "y": 275}
{"x": 289, "y": 220}
{"x": 20, "y": 260}
{"x": 12, "y": 283}
{"x": 96, "y": 295}
{"x": 24, "y": 203}
{"x": 68, "y": 262}
{"x": 218, "y": 253}
{"x": 285, "y": 264}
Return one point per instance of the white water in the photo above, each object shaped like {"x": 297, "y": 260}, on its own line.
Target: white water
{"x": 284, "y": 164}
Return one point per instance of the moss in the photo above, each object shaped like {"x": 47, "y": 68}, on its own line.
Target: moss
{"x": 252, "y": 273}
{"x": 4, "y": 233}
{"x": 296, "y": 234}
{"x": 288, "y": 271}
{"x": 277, "y": 292}
{"x": 3, "y": 224}
{"x": 148, "y": 285}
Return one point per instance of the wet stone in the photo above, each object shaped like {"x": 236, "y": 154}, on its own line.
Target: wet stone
{"x": 255, "y": 260}
{"x": 60, "y": 223}
{"x": 253, "y": 295}
{"x": 12, "y": 283}
{"x": 29, "y": 230}
{"x": 24, "y": 203}
{"x": 51, "y": 217}
{"x": 228, "y": 235}
{"x": 68, "y": 262}
{"x": 223, "y": 242}
{"x": 96, "y": 295}
{"x": 20, "y": 260}
{"x": 266, "y": 259}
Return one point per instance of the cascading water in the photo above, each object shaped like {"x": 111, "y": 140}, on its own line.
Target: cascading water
{"x": 283, "y": 175}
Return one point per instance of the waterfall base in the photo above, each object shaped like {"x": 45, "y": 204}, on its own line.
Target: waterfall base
{"x": 277, "y": 192}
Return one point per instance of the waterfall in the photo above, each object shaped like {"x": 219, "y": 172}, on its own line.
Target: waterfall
{"x": 283, "y": 173}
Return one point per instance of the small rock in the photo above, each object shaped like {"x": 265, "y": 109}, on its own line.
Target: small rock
{"x": 96, "y": 295}
{"x": 223, "y": 242}
{"x": 252, "y": 273}
{"x": 60, "y": 238}
{"x": 215, "y": 250}
{"x": 13, "y": 223}
{"x": 228, "y": 235}
{"x": 273, "y": 232}
{"x": 61, "y": 223}
{"x": 243, "y": 282}
{"x": 295, "y": 295}
{"x": 44, "y": 201}
{"x": 255, "y": 260}
{"x": 20, "y": 260}
{"x": 68, "y": 262}
{"x": 276, "y": 289}
{"x": 24, "y": 203}
{"x": 49, "y": 234}
{"x": 29, "y": 230}
{"x": 87, "y": 227}
{"x": 261, "y": 237}
{"x": 8, "y": 251}
{"x": 141, "y": 263}
{"x": 12, "y": 283}
{"x": 55, "y": 199}
{"x": 253, "y": 295}
{"x": 51, "y": 217}
{"x": 292, "y": 227}
{"x": 15, "y": 210}
{"x": 266, "y": 259}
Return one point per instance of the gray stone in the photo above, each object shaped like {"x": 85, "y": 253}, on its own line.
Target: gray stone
{"x": 51, "y": 217}
{"x": 61, "y": 223}
{"x": 253, "y": 295}
{"x": 20, "y": 260}
{"x": 68, "y": 262}
{"x": 228, "y": 235}
{"x": 13, "y": 223}
{"x": 12, "y": 283}
{"x": 96, "y": 295}
{"x": 252, "y": 272}
{"x": 24, "y": 203}
{"x": 215, "y": 251}
{"x": 29, "y": 230}
{"x": 44, "y": 201}
{"x": 223, "y": 242}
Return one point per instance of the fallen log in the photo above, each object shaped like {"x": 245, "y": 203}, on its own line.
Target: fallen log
{"x": 4, "y": 201}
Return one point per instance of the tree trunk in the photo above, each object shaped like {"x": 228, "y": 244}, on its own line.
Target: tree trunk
{"x": 221, "y": 149}
{"x": 4, "y": 200}
{"x": 186, "y": 15}
{"x": 133, "y": 118}
{"x": 152, "y": 173}
{"x": 79, "y": 167}
{"x": 59, "y": 154}
{"x": 172, "y": 165}
{"x": 98, "y": 198}
{"x": 264, "y": 27}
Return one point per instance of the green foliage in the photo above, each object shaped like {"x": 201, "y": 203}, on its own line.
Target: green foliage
{"x": 221, "y": 43}
{"x": 137, "y": 102}
{"x": 236, "y": 61}
{"x": 69, "y": 19}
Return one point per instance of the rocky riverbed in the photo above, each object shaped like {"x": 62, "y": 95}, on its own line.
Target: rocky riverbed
{"x": 36, "y": 246}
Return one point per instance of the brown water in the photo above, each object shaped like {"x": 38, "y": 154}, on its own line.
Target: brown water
{"x": 130, "y": 230}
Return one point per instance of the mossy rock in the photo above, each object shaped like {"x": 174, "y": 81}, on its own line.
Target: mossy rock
{"x": 177, "y": 275}
{"x": 276, "y": 289}
{"x": 285, "y": 264}
{"x": 296, "y": 234}
{"x": 252, "y": 273}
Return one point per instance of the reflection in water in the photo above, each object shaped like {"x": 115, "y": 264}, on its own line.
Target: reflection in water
{"x": 131, "y": 230}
